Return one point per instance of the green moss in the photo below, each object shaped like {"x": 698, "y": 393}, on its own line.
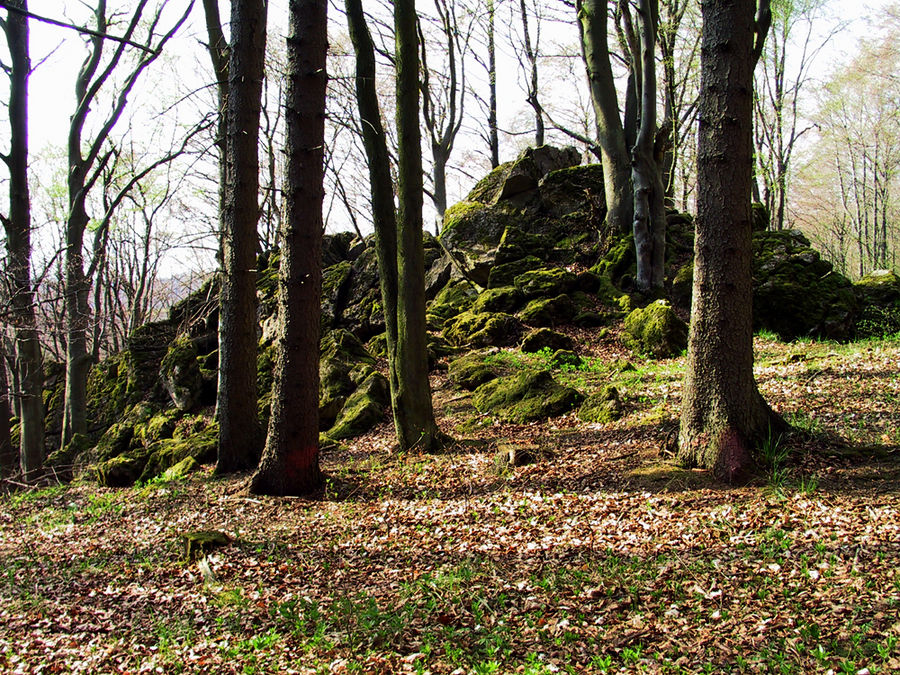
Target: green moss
{"x": 167, "y": 453}
{"x": 364, "y": 408}
{"x": 180, "y": 373}
{"x": 487, "y": 189}
{"x": 544, "y": 338}
{"x": 454, "y": 298}
{"x": 516, "y": 244}
{"x": 67, "y": 456}
{"x": 344, "y": 346}
{"x": 470, "y": 371}
{"x": 158, "y": 427}
{"x": 335, "y": 386}
{"x": 107, "y": 390}
{"x": 601, "y": 407}
{"x": 526, "y": 397}
{"x": 549, "y": 311}
{"x": 122, "y": 470}
{"x": 334, "y": 283}
{"x": 545, "y": 282}
{"x": 118, "y": 438}
{"x": 504, "y": 299}
{"x": 656, "y": 331}
{"x": 618, "y": 261}
{"x": 199, "y": 543}
{"x": 482, "y": 329}
{"x": 564, "y": 357}
{"x": 504, "y": 274}
{"x": 474, "y": 222}
{"x": 796, "y": 293}
{"x": 377, "y": 346}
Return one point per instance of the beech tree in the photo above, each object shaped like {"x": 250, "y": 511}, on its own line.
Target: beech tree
{"x": 290, "y": 461}
{"x": 239, "y": 434}
{"x": 592, "y": 26}
{"x": 86, "y": 160}
{"x": 17, "y": 225}
{"x": 723, "y": 414}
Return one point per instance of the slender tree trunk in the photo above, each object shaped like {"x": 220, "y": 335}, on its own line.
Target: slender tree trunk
{"x": 416, "y": 428}
{"x": 649, "y": 197}
{"x": 290, "y": 461}
{"x": 219, "y": 54}
{"x": 236, "y": 406}
{"x": 7, "y": 451}
{"x": 592, "y": 22}
{"x": 382, "y": 191}
{"x": 439, "y": 174}
{"x": 28, "y": 363}
{"x": 493, "y": 137}
{"x": 531, "y": 56}
{"x": 723, "y": 414}
{"x": 78, "y": 359}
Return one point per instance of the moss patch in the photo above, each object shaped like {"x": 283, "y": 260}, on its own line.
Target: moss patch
{"x": 545, "y": 282}
{"x": 526, "y": 397}
{"x": 549, "y": 311}
{"x": 363, "y": 409}
{"x": 470, "y": 371}
{"x": 482, "y": 329}
{"x": 601, "y": 407}
{"x": 656, "y": 331}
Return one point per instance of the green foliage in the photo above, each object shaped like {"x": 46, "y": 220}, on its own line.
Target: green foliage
{"x": 525, "y": 397}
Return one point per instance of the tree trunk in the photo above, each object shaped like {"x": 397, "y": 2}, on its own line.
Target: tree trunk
{"x": 236, "y": 406}
{"x": 7, "y": 451}
{"x": 723, "y": 414}
{"x": 592, "y": 21}
{"x": 77, "y": 288}
{"x": 493, "y": 137}
{"x": 649, "y": 198}
{"x": 219, "y": 54}
{"x": 28, "y": 377}
{"x": 290, "y": 461}
{"x": 381, "y": 187}
{"x": 439, "y": 175}
{"x": 414, "y": 414}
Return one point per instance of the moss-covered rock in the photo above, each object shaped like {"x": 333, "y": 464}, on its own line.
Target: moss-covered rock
{"x": 363, "y": 409}
{"x": 619, "y": 260}
{"x": 549, "y": 311}
{"x": 335, "y": 386}
{"x": 122, "y": 470}
{"x": 344, "y": 346}
{"x": 335, "y": 281}
{"x": 65, "y": 459}
{"x": 601, "y": 407}
{"x": 180, "y": 373}
{"x": 656, "y": 331}
{"x": 456, "y": 297}
{"x": 118, "y": 438}
{"x": 544, "y": 338}
{"x": 200, "y": 447}
{"x": 796, "y": 293}
{"x": 360, "y": 309}
{"x": 108, "y": 392}
{"x": 565, "y": 358}
{"x": 545, "y": 282}
{"x": 160, "y": 426}
{"x": 525, "y": 397}
{"x": 879, "y": 298}
{"x": 590, "y": 319}
{"x": 504, "y": 275}
{"x": 147, "y": 345}
{"x": 482, "y": 329}
{"x": 470, "y": 371}
{"x": 199, "y": 543}
{"x": 576, "y": 189}
{"x": 516, "y": 244}
{"x": 682, "y": 286}
{"x": 504, "y": 299}
{"x": 881, "y": 287}
{"x": 759, "y": 217}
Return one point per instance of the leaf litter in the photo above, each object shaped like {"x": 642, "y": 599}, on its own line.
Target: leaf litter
{"x": 601, "y": 556}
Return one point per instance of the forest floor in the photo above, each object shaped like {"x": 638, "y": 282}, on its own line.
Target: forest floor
{"x": 601, "y": 556}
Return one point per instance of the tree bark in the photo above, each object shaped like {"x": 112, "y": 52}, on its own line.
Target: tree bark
{"x": 381, "y": 187}
{"x": 290, "y": 461}
{"x": 493, "y": 136}
{"x": 723, "y": 414}
{"x": 236, "y": 405}
{"x": 29, "y": 377}
{"x": 592, "y": 23}
{"x": 219, "y": 54}
{"x": 533, "y": 96}
{"x": 649, "y": 198}
{"x": 7, "y": 451}
{"x": 416, "y": 427}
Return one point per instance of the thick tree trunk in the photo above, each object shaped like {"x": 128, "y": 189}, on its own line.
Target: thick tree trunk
{"x": 414, "y": 414}
{"x": 239, "y": 433}
{"x": 28, "y": 366}
{"x": 723, "y": 414}
{"x": 592, "y": 21}
{"x": 649, "y": 199}
{"x": 439, "y": 175}
{"x": 219, "y": 54}
{"x": 290, "y": 461}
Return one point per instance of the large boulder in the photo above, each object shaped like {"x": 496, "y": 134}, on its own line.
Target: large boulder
{"x": 364, "y": 408}
{"x": 601, "y": 407}
{"x": 529, "y": 396}
{"x": 797, "y": 293}
{"x": 521, "y": 177}
{"x": 879, "y": 297}
{"x": 482, "y": 329}
{"x": 656, "y": 331}
{"x": 470, "y": 371}
{"x": 544, "y": 338}
{"x": 180, "y": 373}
